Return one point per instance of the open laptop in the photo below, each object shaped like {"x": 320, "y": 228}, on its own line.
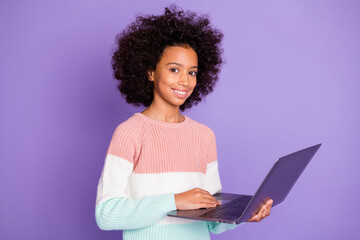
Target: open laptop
{"x": 237, "y": 208}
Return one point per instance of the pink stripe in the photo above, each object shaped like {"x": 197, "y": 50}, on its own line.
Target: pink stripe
{"x": 157, "y": 148}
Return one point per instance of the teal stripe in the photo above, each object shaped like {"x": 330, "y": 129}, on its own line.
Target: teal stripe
{"x": 188, "y": 231}
{"x": 127, "y": 213}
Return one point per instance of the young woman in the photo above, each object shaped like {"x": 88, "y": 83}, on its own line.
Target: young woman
{"x": 160, "y": 160}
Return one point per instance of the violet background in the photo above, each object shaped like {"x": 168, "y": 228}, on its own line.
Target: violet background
{"x": 291, "y": 80}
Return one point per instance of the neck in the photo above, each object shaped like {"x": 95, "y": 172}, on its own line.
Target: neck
{"x": 165, "y": 114}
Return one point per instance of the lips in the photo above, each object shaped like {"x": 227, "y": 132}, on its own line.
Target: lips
{"x": 180, "y": 93}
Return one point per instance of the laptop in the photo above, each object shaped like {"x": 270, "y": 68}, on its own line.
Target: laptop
{"x": 237, "y": 208}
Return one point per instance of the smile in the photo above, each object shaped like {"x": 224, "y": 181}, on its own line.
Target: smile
{"x": 180, "y": 94}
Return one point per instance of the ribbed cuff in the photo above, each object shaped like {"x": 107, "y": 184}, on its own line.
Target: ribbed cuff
{"x": 170, "y": 199}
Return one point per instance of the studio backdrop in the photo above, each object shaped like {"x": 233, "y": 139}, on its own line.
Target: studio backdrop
{"x": 290, "y": 80}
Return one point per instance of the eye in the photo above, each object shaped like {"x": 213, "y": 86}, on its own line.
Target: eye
{"x": 174, "y": 70}
{"x": 193, "y": 73}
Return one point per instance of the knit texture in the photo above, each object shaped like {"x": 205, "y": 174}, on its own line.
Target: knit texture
{"x": 147, "y": 162}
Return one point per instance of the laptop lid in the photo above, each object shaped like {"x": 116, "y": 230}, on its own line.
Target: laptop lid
{"x": 279, "y": 181}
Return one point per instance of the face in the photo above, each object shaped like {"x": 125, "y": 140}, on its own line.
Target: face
{"x": 175, "y": 76}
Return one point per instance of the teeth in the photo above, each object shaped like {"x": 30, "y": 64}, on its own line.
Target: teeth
{"x": 180, "y": 92}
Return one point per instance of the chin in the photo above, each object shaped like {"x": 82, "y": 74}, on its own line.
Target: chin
{"x": 178, "y": 103}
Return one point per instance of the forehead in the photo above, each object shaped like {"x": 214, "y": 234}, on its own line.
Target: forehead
{"x": 178, "y": 54}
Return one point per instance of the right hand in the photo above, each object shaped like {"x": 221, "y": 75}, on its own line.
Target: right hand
{"x": 194, "y": 199}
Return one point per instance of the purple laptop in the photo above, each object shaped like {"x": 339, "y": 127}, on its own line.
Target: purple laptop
{"x": 237, "y": 208}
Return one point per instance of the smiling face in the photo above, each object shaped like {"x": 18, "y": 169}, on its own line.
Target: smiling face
{"x": 175, "y": 76}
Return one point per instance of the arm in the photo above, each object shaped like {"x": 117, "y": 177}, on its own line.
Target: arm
{"x": 114, "y": 209}
{"x": 126, "y": 213}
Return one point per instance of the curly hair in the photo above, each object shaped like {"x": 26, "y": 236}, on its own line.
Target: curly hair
{"x": 141, "y": 44}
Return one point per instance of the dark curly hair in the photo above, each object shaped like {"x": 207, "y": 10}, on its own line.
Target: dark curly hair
{"x": 140, "y": 46}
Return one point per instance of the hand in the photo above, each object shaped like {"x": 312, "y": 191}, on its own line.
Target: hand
{"x": 194, "y": 199}
{"x": 263, "y": 212}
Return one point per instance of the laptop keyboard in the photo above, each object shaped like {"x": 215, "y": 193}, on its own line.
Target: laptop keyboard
{"x": 230, "y": 210}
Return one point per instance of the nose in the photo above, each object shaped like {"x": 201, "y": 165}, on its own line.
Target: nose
{"x": 184, "y": 80}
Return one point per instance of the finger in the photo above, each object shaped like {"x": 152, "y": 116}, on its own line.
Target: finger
{"x": 259, "y": 214}
{"x": 269, "y": 205}
{"x": 203, "y": 194}
{"x": 262, "y": 212}
{"x": 211, "y": 198}
{"x": 207, "y": 205}
{"x": 206, "y": 193}
{"x": 253, "y": 219}
{"x": 209, "y": 201}
{"x": 250, "y": 220}
{"x": 264, "y": 215}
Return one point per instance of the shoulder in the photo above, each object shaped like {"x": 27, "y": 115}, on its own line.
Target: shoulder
{"x": 126, "y": 139}
{"x": 130, "y": 129}
{"x": 203, "y": 131}
{"x": 209, "y": 140}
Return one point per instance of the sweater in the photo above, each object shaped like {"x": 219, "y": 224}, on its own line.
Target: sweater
{"x": 146, "y": 163}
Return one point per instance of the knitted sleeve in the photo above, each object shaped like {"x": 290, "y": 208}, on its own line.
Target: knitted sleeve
{"x": 114, "y": 210}
{"x": 213, "y": 183}
{"x": 126, "y": 213}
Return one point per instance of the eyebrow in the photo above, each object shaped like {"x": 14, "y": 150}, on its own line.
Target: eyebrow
{"x": 179, "y": 64}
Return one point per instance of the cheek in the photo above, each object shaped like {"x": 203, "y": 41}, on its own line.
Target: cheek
{"x": 165, "y": 79}
{"x": 162, "y": 84}
{"x": 194, "y": 84}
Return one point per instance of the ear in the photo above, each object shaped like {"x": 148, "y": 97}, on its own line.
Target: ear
{"x": 151, "y": 76}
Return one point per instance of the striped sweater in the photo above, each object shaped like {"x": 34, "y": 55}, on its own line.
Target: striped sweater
{"x": 147, "y": 162}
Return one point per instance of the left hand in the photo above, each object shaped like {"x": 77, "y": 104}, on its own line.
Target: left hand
{"x": 263, "y": 212}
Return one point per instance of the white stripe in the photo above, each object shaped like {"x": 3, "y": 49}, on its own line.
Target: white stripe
{"x": 142, "y": 185}
{"x": 114, "y": 178}
{"x": 212, "y": 181}
{"x": 118, "y": 180}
